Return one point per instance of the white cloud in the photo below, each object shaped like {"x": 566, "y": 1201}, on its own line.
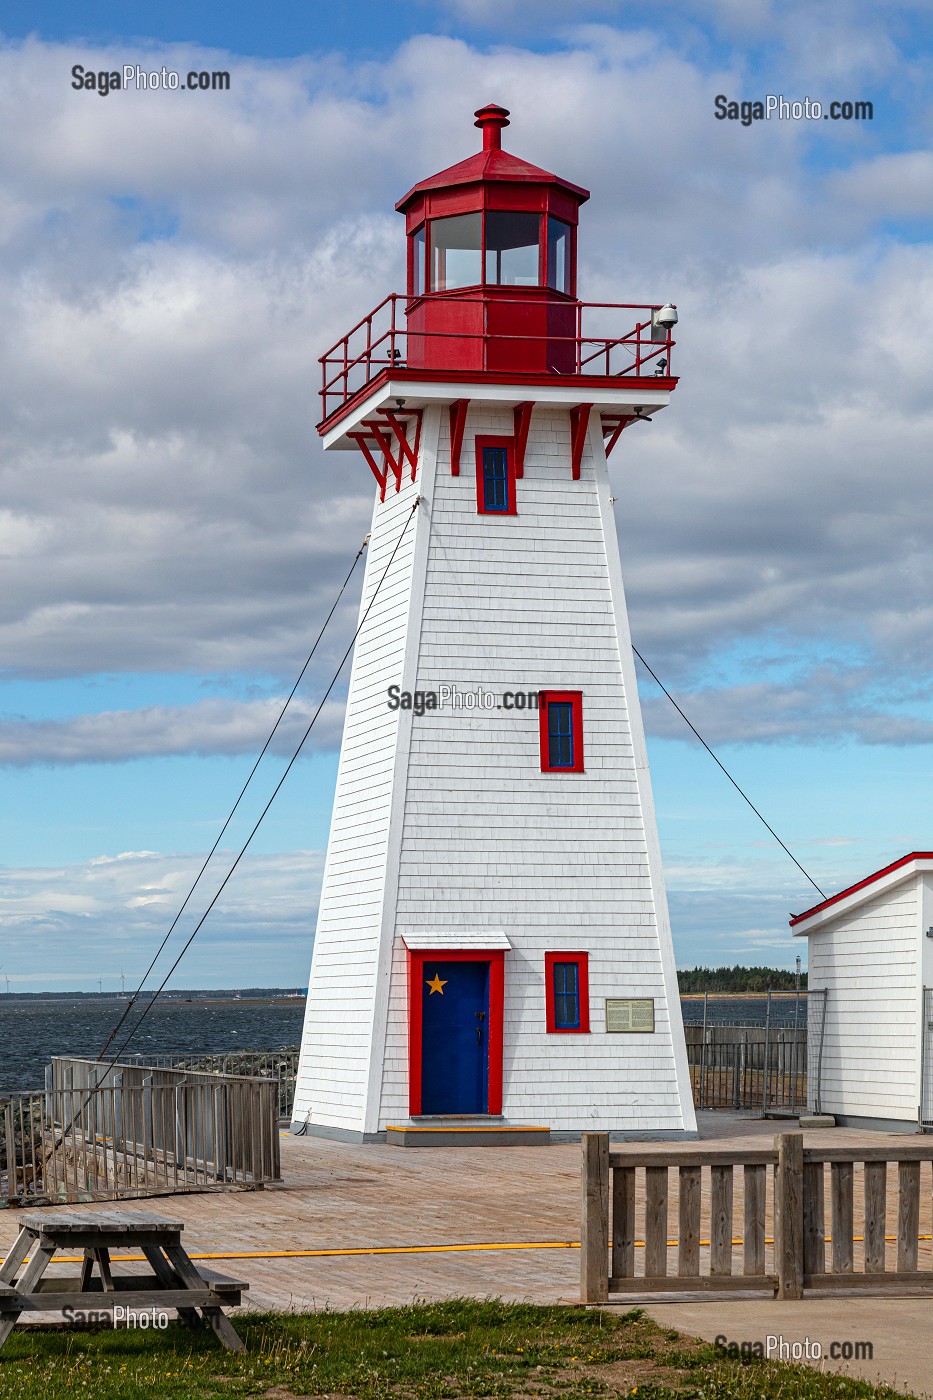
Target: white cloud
{"x": 900, "y": 185}
{"x": 822, "y": 705}
{"x": 109, "y": 914}
{"x": 215, "y": 726}
{"x": 501, "y": 13}
{"x": 165, "y": 505}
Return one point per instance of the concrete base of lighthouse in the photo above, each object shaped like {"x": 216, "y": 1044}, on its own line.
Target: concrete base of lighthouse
{"x": 460, "y": 1133}
{"x": 507, "y": 1135}
{"x": 413, "y": 1134}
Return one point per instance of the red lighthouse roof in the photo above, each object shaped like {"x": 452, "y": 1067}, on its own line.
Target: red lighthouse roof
{"x": 491, "y": 308}
{"x": 491, "y": 163}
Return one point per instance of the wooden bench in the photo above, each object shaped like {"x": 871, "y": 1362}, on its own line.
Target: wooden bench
{"x": 174, "y": 1281}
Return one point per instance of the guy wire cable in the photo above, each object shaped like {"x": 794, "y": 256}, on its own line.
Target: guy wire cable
{"x": 243, "y": 849}
{"x": 135, "y": 997}
{"x": 726, "y": 771}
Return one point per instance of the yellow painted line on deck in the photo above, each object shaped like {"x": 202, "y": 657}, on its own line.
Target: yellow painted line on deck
{"x": 342, "y": 1253}
{"x": 410, "y": 1249}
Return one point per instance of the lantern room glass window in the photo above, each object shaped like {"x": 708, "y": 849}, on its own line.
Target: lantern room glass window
{"x": 417, "y": 262}
{"x": 504, "y": 248}
{"x": 456, "y": 252}
{"x": 558, "y": 255}
{"x": 512, "y": 258}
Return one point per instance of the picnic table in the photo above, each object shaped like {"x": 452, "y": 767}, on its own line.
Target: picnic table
{"x": 174, "y": 1281}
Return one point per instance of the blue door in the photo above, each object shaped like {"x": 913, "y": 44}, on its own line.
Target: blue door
{"x": 454, "y": 1037}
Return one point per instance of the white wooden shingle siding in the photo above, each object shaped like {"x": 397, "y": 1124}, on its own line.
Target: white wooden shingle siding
{"x": 342, "y": 1009}
{"x": 480, "y": 837}
{"x": 868, "y": 960}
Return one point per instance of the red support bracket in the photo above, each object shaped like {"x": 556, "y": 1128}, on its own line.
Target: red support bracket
{"x": 360, "y": 440}
{"x": 458, "y": 413}
{"x": 579, "y": 420}
{"x": 615, "y": 434}
{"x": 418, "y": 419}
{"x": 613, "y": 428}
{"x": 522, "y": 418}
{"x": 376, "y": 430}
{"x": 378, "y": 433}
{"x": 409, "y": 450}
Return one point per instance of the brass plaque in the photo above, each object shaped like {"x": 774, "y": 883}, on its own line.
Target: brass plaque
{"x": 630, "y": 1014}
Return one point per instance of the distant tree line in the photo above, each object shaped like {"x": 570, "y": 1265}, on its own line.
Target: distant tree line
{"x": 738, "y": 979}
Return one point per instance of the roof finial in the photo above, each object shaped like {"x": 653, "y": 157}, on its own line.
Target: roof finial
{"x": 491, "y": 119}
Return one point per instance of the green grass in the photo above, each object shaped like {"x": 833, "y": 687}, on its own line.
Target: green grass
{"x": 435, "y": 1351}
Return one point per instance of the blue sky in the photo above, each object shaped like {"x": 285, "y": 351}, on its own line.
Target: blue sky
{"x": 171, "y": 533}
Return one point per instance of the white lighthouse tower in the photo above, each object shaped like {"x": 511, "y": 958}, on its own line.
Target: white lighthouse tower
{"x": 493, "y": 951}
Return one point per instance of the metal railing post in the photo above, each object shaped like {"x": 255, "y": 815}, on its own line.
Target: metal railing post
{"x": 148, "y": 1133}
{"x": 736, "y": 1103}
{"x": 767, "y": 1064}
{"x": 702, "y": 1103}
{"x": 819, "y": 1060}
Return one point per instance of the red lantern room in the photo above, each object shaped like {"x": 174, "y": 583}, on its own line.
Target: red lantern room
{"x": 492, "y": 263}
{"x": 491, "y": 310}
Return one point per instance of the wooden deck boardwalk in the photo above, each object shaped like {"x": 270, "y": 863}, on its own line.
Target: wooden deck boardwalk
{"x": 338, "y": 1198}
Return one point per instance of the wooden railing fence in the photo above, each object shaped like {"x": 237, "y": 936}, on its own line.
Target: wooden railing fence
{"x": 625, "y": 1244}
{"x": 280, "y": 1065}
{"x": 93, "y": 1138}
{"x": 230, "y": 1123}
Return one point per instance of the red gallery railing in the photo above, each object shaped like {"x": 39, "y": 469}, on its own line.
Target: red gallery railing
{"x": 598, "y": 344}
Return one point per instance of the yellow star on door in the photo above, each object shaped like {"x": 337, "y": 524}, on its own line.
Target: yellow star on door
{"x": 436, "y": 984}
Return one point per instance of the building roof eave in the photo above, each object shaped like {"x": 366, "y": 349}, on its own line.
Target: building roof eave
{"x": 486, "y": 166}
{"x": 422, "y": 387}
{"x": 819, "y": 915}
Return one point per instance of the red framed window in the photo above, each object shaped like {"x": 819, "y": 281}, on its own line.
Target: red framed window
{"x": 567, "y": 993}
{"x": 560, "y": 715}
{"x": 495, "y": 475}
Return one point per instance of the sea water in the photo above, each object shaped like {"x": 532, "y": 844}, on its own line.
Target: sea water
{"x": 32, "y": 1030}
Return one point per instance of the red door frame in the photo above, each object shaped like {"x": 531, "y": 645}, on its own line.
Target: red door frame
{"x": 417, "y": 958}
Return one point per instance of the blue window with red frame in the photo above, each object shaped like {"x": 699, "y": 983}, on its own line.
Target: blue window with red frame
{"x": 495, "y": 475}
{"x": 567, "y": 994}
{"x": 561, "y": 723}
{"x": 495, "y": 479}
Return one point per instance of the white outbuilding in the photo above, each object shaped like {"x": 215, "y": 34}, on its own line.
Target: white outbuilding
{"x": 871, "y": 999}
